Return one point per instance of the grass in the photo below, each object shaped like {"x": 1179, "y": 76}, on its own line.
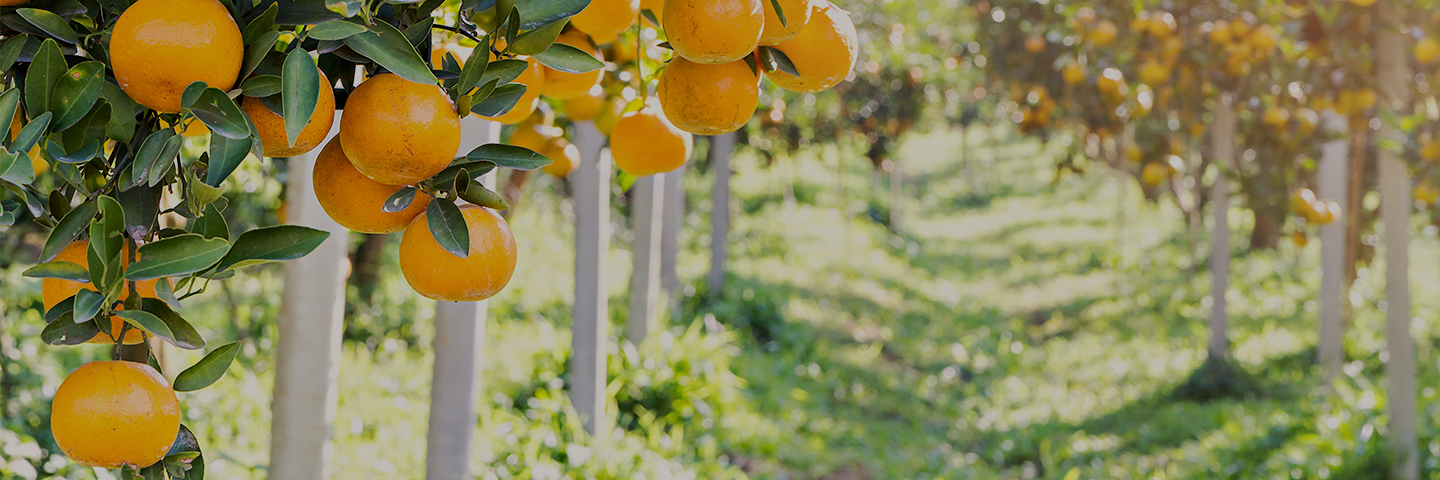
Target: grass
{"x": 1012, "y": 329}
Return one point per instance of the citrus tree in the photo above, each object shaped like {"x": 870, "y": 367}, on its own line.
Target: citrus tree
{"x": 103, "y": 94}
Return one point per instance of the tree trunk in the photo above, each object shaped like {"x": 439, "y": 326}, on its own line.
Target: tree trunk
{"x": 1395, "y": 204}
{"x": 592, "y": 295}
{"x": 1330, "y": 351}
{"x": 1223, "y": 138}
{"x": 366, "y": 265}
{"x": 1266, "y": 234}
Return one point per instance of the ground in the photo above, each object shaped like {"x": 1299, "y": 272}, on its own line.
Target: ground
{"x": 1013, "y": 328}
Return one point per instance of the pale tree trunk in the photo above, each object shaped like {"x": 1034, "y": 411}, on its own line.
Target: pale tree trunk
{"x": 720, "y": 149}
{"x": 592, "y": 301}
{"x": 648, "y": 213}
{"x": 307, "y": 358}
{"x": 1334, "y": 164}
{"x": 670, "y": 235}
{"x": 459, "y": 342}
{"x": 1223, "y": 148}
{"x": 1390, "y": 58}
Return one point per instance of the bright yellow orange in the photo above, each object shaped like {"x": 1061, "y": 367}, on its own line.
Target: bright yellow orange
{"x": 713, "y": 32}
{"x": 437, "y": 54}
{"x": 646, "y": 143}
{"x": 55, "y": 290}
{"x": 1153, "y": 73}
{"x": 528, "y": 136}
{"x": 823, "y": 53}
{"x": 797, "y": 15}
{"x": 1426, "y": 194}
{"x": 110, "y": 414}
{"x": 159, "y": 47}
{"x": 1073, "y": 73}
{"x": 1154, "y": 174}
{"x": 355, "y": 201}
{"x": 585, "y": 107}
{"x": 533, "y": 78}
{"x": 1104, "y": 33}
{"x": 565, "y": 86}
{"x": 272, "y": 127}
{"x": 37, "y": 161}
{"x": 564, "y": 157}
{"x": 398, "y": 132}
{"x": 438, "y": 274}
{"x": 708, "y": 99}
{"x": 1427, "y": 50}
{"x": 606, "y": 18}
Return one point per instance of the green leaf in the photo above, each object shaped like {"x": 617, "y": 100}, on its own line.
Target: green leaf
{"x": 212, "y": 224}
{"x": 503, "y": 71}
{"x": 476, "y": 193}
{"x": 226, "y": 154}
{"x": 31, "y": 133}
{"x": 69, "y": 227}
{"x": 184, "y": 334}
{"x": 300, "y": 92}
{"x": 175, "y": 256}
{"x": 60, "y": 309}
{"x": 779, "y": 12}
{"x": 418, "y": 34}
{"x": 537, "y": 40}
{"x": 539, "y": 13}
{"x": 9, "y": 104}
{"x": 151, "y": 155}
{"x": 81, "y": 155}
{"x": 87, "y": 304}
{"x": 76, "y": 92}
{"x": 256, "y": 51}
{"x": 66, "y": 332}
{"x": 51, "y": 23}
{"x": 221, "y": 114}
{"x": 10, "y": 51}
{"x": 782, "y": 62}
{"x": 148, "y": 322}
{"x": 509, "y": 156}
{"x": 389, "y": 48}
{"x": 335, "y": 30}
{"x": 272, "y": 244}
{"x": 263, "y": 23}
{"x": 143, "y": 206}
{"x": 470, "y": 74}
{"x": 568, "y": 59}
{"x": 208, "y": 370}
{"x": 400, "y": 200}
{"x": 447, "y": 225}
{"x": 261, "y": 86}
{"x": 45, "y": 70}
{"x": 63, "y": 270}
{"x": 121, "y": 125}
{"x": 500, "y": 101}
{"x": 16, "y": 168}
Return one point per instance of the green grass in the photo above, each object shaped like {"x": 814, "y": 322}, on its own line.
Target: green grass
{"x": 1012, "y": 329}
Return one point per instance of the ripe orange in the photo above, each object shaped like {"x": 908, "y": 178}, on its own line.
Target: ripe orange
{"x": 110, "y": 414}
{"x": 564, "y": 157}
{"x": 713, "y": 32}
{"x": 1154, "y": 73}
{"x": 1035, "y": 44}
{"x": 585, "y": 107}
{"x": 708, "y": 99}
{"x": 797, "y": 15}
{"x": 533, "y": 78}
{"x": 272, "y": 127}
{"x": 355, "y": 201}
{"x": 1073, "y": 73}
{"x": 12, "y": 3}
{"x": 1154, "y": 174}
{"x": 1104, "y": 33}
{"x": 646, "y": 143}
{"x": 606, "y": 18}
{"x": 1427, "y": 50}
{"x": 159, "y": 47}
{"x": 55, "y": 290}
{"x": 823, "y": 53}
{"x": 461, "y": 54}
{"x": 438, "y": 274}
{"x": 398, "y": 132}
{"x": 565, "y": 86}
{"x": 609, "y": 113}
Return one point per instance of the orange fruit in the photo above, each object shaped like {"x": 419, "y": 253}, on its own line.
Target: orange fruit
{"x": 159, "y": 47}
{"x": 565, "y": 86}
{"x": 11, "y": 3}
{"x": 585, "y": 107}
{"x": 564, "y": 157}
{"x": 56, "y": 290}
{"x": 713, "y": 32}
{"x": 1105, "y": 33}
{"x": 528, "y": 136}
{"x": 606, "y": 18}
{"x": 1035, "y": 44}
{"x": 272, "y": 127}
{"x": 533, "y": 78}
{"x": 708, "y": 99}
{"x": 609, "y": 113}
{"x": 353, "y": 200}
{"x": 797, "y": 15}
{"x": 110, "y": 414}
{"x": 646, "y": 143}
{"x": 437, "y": 54}
{"x": 398, "y": 132}
{"x": 440, "y": 275}
{"x": 823, "y": 53}
{"x": 1154, "y": 174}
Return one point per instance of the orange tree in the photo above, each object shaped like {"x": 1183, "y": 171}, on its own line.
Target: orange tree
{"x": 101, "y": 94}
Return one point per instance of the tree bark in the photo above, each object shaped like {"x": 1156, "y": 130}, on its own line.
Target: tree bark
{"x": 366, "y": 262}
